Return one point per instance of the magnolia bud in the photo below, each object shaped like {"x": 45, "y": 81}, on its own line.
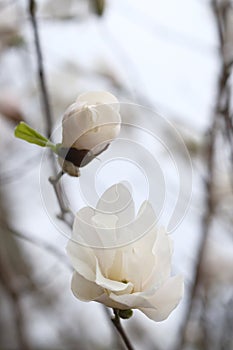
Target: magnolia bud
{"x": 88, "y": 126}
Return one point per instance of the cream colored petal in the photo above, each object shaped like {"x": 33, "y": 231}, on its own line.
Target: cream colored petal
{"x": 145, "y": 221}
{"x": 76, "y": 122}
{"x": 96, "y": 141}
{"x": 165, "y": 299}
{"x": 87, "y": 234}
{"x": 162, "y": 251}
{"x": 104, "y": 299}
{"x": 84, "y": 230}
{"x": 105, "y": 228}
{"x": 91, "y": 230}
{"x": 104, "y": 128}
{"x": 106, "y": 221}
{"x": 127, "y": 259}
{"x": 139, "y": 230}
{"x": 84, "y": 289}
{"x": 117, "y": 200}
{"x": 133, "y": 301}
{"x": 111, "y": 285}
{"x": 82, "y": 259}
{"x": 99, "y": 97}
{"x": 133, "y": 266}
{"x": 92, "y": 122}
{"x": 105, "y": 115}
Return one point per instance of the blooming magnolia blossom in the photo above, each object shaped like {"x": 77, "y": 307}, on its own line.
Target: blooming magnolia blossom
{"x": 121, "y": 260}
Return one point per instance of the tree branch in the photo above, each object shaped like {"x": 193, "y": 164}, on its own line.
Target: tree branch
{"x": 43, "y": 245}
{"x": 41, "y": 74}
{"x": 210, "y": 204}
{"x": 7, "y": 279}
{"x": 46, "y": 103}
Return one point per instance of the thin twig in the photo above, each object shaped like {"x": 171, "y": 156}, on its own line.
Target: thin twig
{"x": 206, "y": 221}
{"x": 221, "y": 22}
{"x": 43, "y": 245}
{"x": 117, "y": 323}
{"x": 43, "y": 86}
{"x": 46, "y": 103}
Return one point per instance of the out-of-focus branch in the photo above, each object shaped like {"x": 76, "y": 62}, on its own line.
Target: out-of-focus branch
{"x": 12, "y": 266}
{"x": 43, "y": 86}
{"x": 7, "y": 280}
{"x": 206, "y": 222}
{"x": 220, "y": 111}
{"x": 46, "y": 103}
{"x": 43, "y": 245}
{"x": 227, "y": 325}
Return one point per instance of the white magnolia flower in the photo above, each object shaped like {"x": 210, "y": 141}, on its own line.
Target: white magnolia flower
{"x": 123, "y": 276}
{"x": 93, "y": 120}
{"x": 89, "y": 124}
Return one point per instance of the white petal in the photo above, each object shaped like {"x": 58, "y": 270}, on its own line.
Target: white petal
{"x": 86, "y": 127}
{"x": 143, "y": 224}
{"x": 163, "y": 249}
{"x": 134, "y": 265}
{"x": 162, "y": 252}
{"x": 104, "y": 225}
{"x": 84, "y": 289}
{"x": 82, "y": 259}
{"x": 104, "y": 221}
{"x": 97, "y": 141}
{"x": 104, "y": 299}
{"x": 76, "y": 122}
{"x": 99, "y": 97}
{"x": 133, "y": 301}
{"x": 91, "y": 229}
{"x": 105, "y": 115}
{"x": 146, "y": 219}
{"x": 84, "y": 230}
{"x": 127, "y": 261}
{"x": 111, "y": 285}
{"x": 165, "y": 299}
{"x": 117, "y": 200}
{"x": 104, "y": 128}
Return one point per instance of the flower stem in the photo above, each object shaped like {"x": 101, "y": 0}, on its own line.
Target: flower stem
{"x": 54, "y": 179}
{"x": 117, "y": 323}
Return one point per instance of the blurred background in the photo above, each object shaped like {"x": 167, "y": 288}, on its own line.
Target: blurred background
{"x": 174, "y": 57}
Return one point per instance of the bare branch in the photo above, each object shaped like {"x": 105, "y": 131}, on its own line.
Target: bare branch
{"x": 46, "y": 103}
{"x": 41, "y": 74}
{"x": 43, "y": 245}
{"x": 221, "y": 110}
{"x": 7, "y": 277}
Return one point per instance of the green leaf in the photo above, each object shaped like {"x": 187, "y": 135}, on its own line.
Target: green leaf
{"x": 125, "y": 314}
{"x": 24, "y": 132}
